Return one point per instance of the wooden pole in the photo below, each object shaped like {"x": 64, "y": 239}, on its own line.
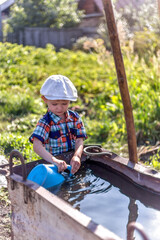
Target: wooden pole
{"x": 122, "y": 80}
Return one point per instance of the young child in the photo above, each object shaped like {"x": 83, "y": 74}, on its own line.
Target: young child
{"x": 59, "y": 130}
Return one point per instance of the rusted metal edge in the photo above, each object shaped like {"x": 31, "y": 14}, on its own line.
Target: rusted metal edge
{"x": 136, "y": 226}
{"x": 139, "y": 174}
{"x": 16, "y": 153}
{"x": 135, "y": 172}
{"x": 81, "y": 219}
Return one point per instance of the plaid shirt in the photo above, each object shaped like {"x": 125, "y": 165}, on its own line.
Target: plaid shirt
{"x": 57, "y": 135}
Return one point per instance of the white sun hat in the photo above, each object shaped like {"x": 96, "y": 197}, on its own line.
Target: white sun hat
{"x": 58, "y": 87}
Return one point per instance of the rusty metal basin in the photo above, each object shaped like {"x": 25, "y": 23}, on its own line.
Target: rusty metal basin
{"x": 38, "y": 214}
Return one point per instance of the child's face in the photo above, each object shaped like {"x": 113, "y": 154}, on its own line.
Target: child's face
{"x": 58, "y": 107}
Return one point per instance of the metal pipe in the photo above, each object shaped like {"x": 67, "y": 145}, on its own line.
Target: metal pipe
{"x": 16, "y": 153}
{"x": 122, "y": 80}
{"x": 136, "y": 226}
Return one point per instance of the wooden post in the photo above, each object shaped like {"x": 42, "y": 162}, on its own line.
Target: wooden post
{"x": 122, "y": 80}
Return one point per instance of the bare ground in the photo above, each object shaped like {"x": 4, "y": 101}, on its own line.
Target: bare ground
{"x": 5, "y": 206}
{"x": 5, "y": 215}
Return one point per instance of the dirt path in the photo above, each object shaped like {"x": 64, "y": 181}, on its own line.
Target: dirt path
{"x": 5, "y": 215}
{"x": 5, "y": 206}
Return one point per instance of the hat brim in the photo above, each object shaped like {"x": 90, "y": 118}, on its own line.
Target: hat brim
{"x": 60, "y": 98}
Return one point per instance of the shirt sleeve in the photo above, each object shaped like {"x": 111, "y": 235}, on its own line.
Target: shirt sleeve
{"x": 80, "y": 129}
{"x": 41, "y": 131}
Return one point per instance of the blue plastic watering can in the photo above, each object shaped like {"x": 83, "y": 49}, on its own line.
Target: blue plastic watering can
{"x": 47, "y": 175}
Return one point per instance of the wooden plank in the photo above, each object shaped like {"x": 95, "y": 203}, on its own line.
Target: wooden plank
{"x": 4, "y": 4}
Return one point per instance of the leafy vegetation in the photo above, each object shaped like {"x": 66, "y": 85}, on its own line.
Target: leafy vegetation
{"x": 38, "y": 13}
{"x": 139, "y": 17}
{"x": 24, "y": 69}
{"x": 137, "y": 21}
{"x": 155, "y": 160}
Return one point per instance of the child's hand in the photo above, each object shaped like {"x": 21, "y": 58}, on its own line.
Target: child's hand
{"x": 60, "y": 164}
{"x": 75, "y": 163}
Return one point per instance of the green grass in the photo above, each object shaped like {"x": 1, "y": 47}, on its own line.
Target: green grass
{"x": 24, "y": 69}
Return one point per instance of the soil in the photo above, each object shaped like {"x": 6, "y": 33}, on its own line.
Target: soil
{"x": 5, "y": 220}
{"x": 5, "y": 207}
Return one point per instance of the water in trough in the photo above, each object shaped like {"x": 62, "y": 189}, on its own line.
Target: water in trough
{"x": 111, "y": 200}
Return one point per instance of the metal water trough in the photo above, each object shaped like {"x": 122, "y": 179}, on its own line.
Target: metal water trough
{"x": 38, "y": 214}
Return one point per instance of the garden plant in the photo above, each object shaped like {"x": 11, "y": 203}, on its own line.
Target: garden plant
{"x": 92, "y": 70}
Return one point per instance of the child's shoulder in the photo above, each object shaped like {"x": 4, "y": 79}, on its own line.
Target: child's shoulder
{"x": 74, "y": 114}
{"x": 46, "y": 118}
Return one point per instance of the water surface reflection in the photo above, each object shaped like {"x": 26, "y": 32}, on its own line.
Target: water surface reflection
{"x": 111, "y": 200}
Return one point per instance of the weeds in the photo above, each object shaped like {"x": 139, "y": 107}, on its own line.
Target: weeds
{"x": 24, "y": 69}
{"x": 154, "y": 160}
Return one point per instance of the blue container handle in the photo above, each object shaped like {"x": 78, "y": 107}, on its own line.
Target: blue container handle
{"x": 47, "y": 175}
{"x": 69, "y": 167}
